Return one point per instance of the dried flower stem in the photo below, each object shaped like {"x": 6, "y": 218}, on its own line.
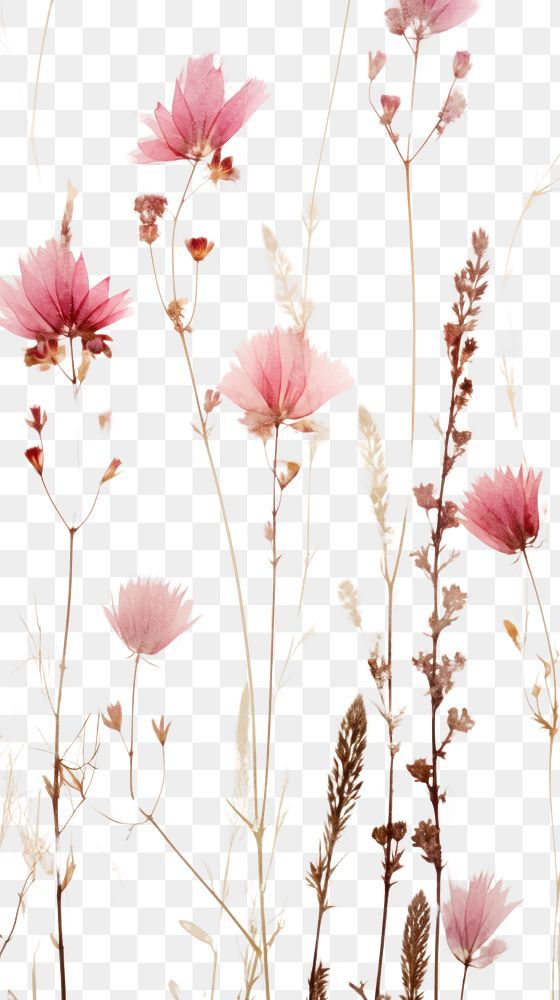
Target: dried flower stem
{"x": 37, "y": 78}
{"x": 131, "y": 750}
{"x": 310, "y": 223}
{"x": 552, "y": 733}
{"x": 19, "y": 909}
{"x": 464, "y": 981}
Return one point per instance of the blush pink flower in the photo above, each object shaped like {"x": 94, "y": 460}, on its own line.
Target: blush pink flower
{"x": 471, "y": 916}
{"x": 281, "y": 377}
{"x": 200, "y": 120}
{"x": 52, "y": 299}
{"x": 390, "y": 105}
{"x": 149, "y": 615}
{"x": 503, "y": 512}
{"x": 425, "y": 17}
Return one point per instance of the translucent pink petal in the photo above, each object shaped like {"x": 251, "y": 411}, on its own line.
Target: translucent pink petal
{"x": 503, "y": 511}
{"x": 445, "y": 14}
{"x": 154, "y": 151}
{"x": 236, "y": 112}
{"x": 487, "y": 954}
{"x": 471, "y": 917}
{"x": 149, "y": 615}
{"x": 203, "y": 89}
{"x": 182, "y": 116}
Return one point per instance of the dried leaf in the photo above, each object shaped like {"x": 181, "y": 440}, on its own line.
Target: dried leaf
{"x": 197, "y": 932}
{"x": 54, "y": 941}
{"x": 513, "y": 633}
{"x": 84, "y": 366}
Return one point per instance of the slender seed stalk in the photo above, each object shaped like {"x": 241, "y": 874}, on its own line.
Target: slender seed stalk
{"x": 131, "y": 750}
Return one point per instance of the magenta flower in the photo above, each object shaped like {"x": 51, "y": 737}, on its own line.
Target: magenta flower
{"x": 425, "y": 17}
{"x": 471, "y": 916}
{"x": 281, "y": 377}
{"x": 149, "y": 615}
{"x": 52, "y": 299}
{"x": 503, "y": 512}
{"x": 200, "y": 120}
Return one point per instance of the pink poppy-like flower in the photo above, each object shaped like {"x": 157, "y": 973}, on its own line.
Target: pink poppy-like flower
{"x": 281, "y": 377}
{"x": 425, "y": 17}
{"x": 200, "y": 120}
{"x": 52, "y": 299}
{"x": 471, "y": 916}
{"x": 503, "y": 512}
{"x": 149, "y": 615}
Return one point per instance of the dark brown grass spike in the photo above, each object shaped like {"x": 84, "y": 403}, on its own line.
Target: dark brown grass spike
{"x": 414, "y": 954}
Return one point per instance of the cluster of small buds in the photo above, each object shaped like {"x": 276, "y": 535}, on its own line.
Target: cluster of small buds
{"x": 199, "y": 247}
{"x": 111, "y": 470}
{"x": 113, "y": 719}
{"x": 426, "y": 838}
{"x": 222, "y": 170}
{"x": 376, "y": 63}
{"x": 150, "y": 207}
{"x": 161, "y": 730}
{"x": 393, "y": 831}
{"x": 212, "y": 399}
{"x": 38, "y": 419}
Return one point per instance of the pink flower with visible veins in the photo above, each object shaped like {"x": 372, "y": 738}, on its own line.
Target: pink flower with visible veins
{"x": 200, "y": 120}
{"x": 149, "y": 615}
{"x": 281, "y": 377}
{"x": 376, "y": 63}
{"x": 52, "y": 299}
{"x": 425, "y": 17}
{"x": 503, "y": 512}
{"x": 471, "y": 916}
{"x": 390, "y": 105}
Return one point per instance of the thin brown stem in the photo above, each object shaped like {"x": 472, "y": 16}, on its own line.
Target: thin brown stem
{"x": 150, "y": 819}
{"x": 174, "y": 230}
{"x": 310, "y": 221}
{"x": 37, "y": 79}
{"x": 132, "y": 710}
{"x": 464, "y": 982}
{"x": 19, "y": 909}
{"x": 413, "y": 306}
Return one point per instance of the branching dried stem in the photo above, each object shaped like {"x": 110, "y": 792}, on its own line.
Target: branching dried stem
{"x": 439, "y": 669}
{"x": 343, "y": 790}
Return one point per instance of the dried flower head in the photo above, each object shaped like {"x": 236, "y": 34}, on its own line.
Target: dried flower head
{"x": 199, "y": 247}
{"x": 212, "y": 399}
{"x": 35, "y": 458}
{"x": 149, "y": 615}
{"x": 222, "y": 169}
{"x": 161, "y": 730}
{"x": 424, "y": 17}
{"x": 471, "y": 916}
{"x": 38, "y": 419}
{"x": 503, "y": 511}
{"x": 200, "y": 120}
{"x": 452, "y": 110}
{"x": 376, "y": 63}
{"x": 113, "y": 719}
{"x": 461, "y": 64}
{"x": 390, "y": 104}
{"x": 111, "y": 470}
{"x": 459, "y": 723}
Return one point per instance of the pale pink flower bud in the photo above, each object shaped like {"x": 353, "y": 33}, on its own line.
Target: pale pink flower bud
{"x": 452, "y": 110}
{"x": 212, "y": 399}
{"x": 461, "y": 64}
{"x": 268, "y": 531}
{"x": 111, "y": 470}
{"x": 376, "y": 63}
{"x": 390, "y": 105}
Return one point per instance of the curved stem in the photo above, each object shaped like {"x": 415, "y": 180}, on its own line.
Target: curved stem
{"x": 463, "y": 983}
{"x": 412, "y": 296}
{"x": 310, "y": 224}
{"x": 233, "y": 558}
{"x": 174, "y": 230}
{"x": 131, "y": 750}
{"x": 37, "y": 78}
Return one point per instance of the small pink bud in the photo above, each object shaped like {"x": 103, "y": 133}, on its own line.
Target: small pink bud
{"x": 35, "y": 457}
{"x": 114, "y": 719}
{"x": 461, "y": 64}
{"x": 376, "y": 63}
{"x": 268, "y": 531}
{"x": 161, "y": 730}
{"x": 38, "y": 419}
{"x": 104, "y": 420}
{"x": 453, "y": 108}
{"x": 390, "y": 105}
{"x": 111, "y": 470}
{"x": 148, "y": 233}
{"x": 212, "y": 399}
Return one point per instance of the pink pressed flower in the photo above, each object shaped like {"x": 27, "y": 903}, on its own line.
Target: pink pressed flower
{"x": 390, "y": 107}
{"x": 52, "y": 299}
{"x": 376, "y": 64}
{"x": 149, "y": 615}
{"x": 425, "y": 17}
{"x": 200, "y": 120}
{"x": 452, "y": 110}
{"x": 503, "y": 512}
{"x": 471, "y": 916}
{"x": 281, "y": 377}
{"x": 461, "y": 64}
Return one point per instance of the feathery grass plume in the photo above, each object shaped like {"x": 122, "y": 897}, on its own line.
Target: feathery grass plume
{"x": 441, "y": 515}
{"x": 371, "y": 448}
{"x": 414, "y": 953}
{"x": 542, "y": 187}
{"x": 343, "y": 790}
{"x": 348, "y": 596}
{"x": 288, "y": 292}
